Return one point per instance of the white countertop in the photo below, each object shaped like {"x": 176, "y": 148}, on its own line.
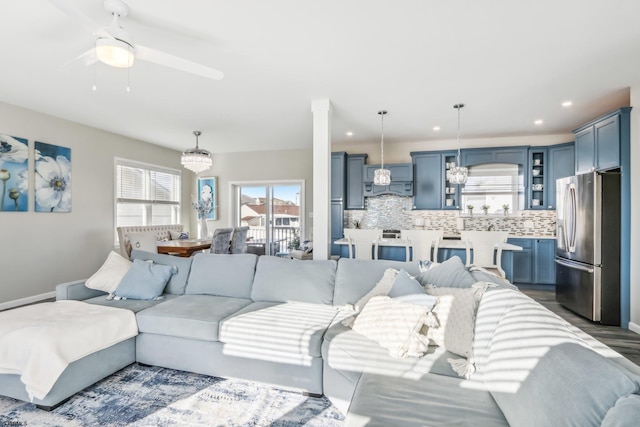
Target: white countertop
{"x": 444, "y": 244}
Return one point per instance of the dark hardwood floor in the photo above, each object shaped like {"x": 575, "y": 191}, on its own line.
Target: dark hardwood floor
{"x": 621, "y": 340}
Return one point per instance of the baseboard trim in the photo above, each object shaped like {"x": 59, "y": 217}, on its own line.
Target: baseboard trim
{"x": 634, "y": 327}
{"x": 28, "y": 300}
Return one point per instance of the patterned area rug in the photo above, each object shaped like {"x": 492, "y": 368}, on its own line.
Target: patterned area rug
{"x": 152, "y": 396}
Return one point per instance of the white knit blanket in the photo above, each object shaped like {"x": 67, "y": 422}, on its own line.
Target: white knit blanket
{"x": 38, "y": 341}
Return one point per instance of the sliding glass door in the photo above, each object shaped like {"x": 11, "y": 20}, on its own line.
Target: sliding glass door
{"x": 273, "y": 213}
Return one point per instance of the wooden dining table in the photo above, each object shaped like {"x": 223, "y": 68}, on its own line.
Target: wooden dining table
{"x": 183, "y": 248}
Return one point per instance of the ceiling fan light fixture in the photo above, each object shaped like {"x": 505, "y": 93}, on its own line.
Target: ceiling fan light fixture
{"x": 114, "y": 52}
{"x": 196, "y": 159}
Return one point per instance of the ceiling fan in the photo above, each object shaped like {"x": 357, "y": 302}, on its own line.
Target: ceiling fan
{"x": 115, "y": 47}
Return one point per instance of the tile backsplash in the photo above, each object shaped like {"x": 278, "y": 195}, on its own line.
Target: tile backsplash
{"x": 395, "y": 212}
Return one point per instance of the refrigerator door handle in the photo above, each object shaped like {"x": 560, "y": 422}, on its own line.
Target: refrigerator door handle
{"x": 575, "y": 266}
{"x": 570, "y": 218}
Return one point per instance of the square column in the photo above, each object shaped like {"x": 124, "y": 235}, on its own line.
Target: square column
{"x": 321, "y": 110}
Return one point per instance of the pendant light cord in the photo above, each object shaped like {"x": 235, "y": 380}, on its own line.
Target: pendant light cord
{"x": 382, "y": 114}
{"x": 458, "y": 107}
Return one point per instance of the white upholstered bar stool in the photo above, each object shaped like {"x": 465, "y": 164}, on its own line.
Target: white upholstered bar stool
{"x": 487, "y": 249}
{"x": 425, "y": 244}
{"x": 363, "y": 240}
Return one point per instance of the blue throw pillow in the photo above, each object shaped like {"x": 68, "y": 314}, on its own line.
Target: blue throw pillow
{"x": 405, "y": 285}
{"x": 448, "y": 274}
{"x": 144, "y": 280}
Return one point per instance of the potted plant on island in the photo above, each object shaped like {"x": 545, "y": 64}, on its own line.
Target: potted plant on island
{"x": 470, "y": 209}
{"x": 505, "y": 208}
{"x": 485, "y": 208}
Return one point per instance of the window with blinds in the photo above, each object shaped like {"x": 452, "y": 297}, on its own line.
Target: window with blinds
{"x": 146, "y": 194}
{"x": 493, "y": 185}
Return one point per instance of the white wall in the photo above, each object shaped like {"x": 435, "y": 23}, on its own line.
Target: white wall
{"x": 39, "y": 250}
{"x": 257, "y": 166}
{"x": 398, "y": 152}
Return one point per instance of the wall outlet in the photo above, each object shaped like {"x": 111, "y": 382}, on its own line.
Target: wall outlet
{"x": 528, "y": 224}
{"x": 427, "y": 222}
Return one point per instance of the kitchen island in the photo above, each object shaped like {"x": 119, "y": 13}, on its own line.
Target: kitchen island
{"x": 395, "y": 249}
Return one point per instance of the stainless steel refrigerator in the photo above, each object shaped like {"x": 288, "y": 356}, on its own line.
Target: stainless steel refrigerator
{"x": 588, "y": 245}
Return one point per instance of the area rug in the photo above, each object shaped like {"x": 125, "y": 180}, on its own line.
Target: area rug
{"x": 152, "y": 396}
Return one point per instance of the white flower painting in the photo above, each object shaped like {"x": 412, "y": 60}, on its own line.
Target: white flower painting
{"x": 14, "y": 176}
{"x": 52, "y": 178}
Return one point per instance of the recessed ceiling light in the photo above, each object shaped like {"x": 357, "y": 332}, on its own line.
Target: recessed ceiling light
{"x": 349, "y": 133}
{"x": 567, "y": 104}
{"x": 436, "y": 128}
{"x": 538, "y": 122}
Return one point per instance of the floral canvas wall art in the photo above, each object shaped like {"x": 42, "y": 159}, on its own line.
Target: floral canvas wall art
{"x": 14, "y": 174}
{"x": 52, "y": 178}
{"x": 207, "y": 198}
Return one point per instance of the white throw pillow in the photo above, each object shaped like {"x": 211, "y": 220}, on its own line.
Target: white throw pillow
{"x": 108, "y": 277}
{"x": 383, "y": 287}
{"x": 395, "y": 325}
{"x": 144, "y": 241}
{"x": 456, "y": 315}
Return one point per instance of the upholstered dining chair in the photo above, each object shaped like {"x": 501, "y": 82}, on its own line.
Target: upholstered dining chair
{"x": 221, "y": 240}
{"x": 424, "y": 243}
{"x": 487, "y": 249}
{"x": 239, "y": 240}
{"x": 363, "y": 240}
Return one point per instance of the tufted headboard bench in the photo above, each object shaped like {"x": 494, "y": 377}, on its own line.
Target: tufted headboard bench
{"x": 162, "y": 233}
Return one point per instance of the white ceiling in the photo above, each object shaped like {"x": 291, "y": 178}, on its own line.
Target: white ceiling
{"x": 511, "y": 62}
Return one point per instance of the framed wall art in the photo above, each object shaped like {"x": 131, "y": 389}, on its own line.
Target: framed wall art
{"x": 52, "y": 178}
{"x": 207, "y": 195}
{"x": 14, "y": 174}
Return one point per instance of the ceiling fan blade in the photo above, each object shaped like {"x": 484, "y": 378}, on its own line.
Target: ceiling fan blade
{"x": 87, "y": 58}
{"x": 83, "y": 20}
{"x": 171, "y": 61}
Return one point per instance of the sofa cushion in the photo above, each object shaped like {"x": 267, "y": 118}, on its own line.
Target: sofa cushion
{"x": 450, "y": 273}
{"x": 178, "y": 281}
{"x": 282, "y": 280}
{"x": 222, "y": 274}
{"x": 536, "y": 359}
{"x": 626, "y": 412}
{"x": 354, "y": 277}
{"x": 144, "y": 280}
{"x": 190, "y": 316}
{"x": 134, "y": 305}
{"x": 434, "y": 400}
{"x": 282, "y": 332}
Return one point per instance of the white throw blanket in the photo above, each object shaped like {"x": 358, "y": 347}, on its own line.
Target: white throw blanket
{"x": 38, "y": 341}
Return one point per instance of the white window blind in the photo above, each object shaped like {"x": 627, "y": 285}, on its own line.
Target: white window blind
{"x": 493, "y": 185}
{"x": 146, "y": 194}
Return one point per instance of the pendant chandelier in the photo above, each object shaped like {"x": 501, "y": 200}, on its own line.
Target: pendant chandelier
{"x": 458, "y": 174}
{"x": 196, "y": 159}
{"x": 382, "y": 176}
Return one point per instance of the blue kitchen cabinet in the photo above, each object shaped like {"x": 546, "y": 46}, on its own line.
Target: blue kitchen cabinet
{"x": 479, "y": 156}
{"x": 560, "y": 164}
{"x": 544, "y": 272}
{"x": 338, "y": 190}
{"x": 338, "y": 169}
{"x": 355, "y": 181}
{"x": 597, "y": 143}
{"x": 538, "y": 184}
{"x": 535, "y": 263}
{"x": 428, "y": 180}
{"x": 450, "y": 192}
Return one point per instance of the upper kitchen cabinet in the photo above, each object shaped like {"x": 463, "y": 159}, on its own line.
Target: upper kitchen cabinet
{"x": 597, "y": 144}
{"x": 355, "y": 181}
{"x": 338, "y": 171}
{"x": 479, "y": 156}
{"x": 538, "y": 182}
{"x": 432, "y": 189}
{"x": 401, "y": 180}
{"x": 560, "y": 164}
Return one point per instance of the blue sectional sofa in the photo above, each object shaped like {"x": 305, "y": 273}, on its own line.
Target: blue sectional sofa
{"x": 278, "y": 321}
